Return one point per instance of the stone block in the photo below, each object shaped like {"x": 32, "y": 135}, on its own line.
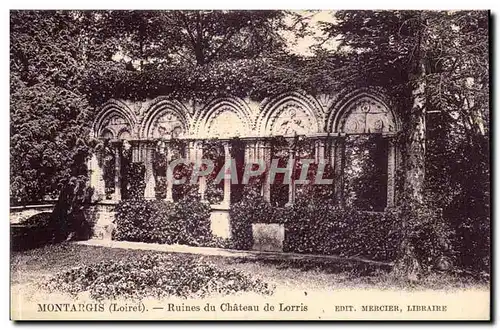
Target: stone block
{"x": 268, "y": 236}
{"x": 102, "y": 216}
{"x": 219, "y": 223}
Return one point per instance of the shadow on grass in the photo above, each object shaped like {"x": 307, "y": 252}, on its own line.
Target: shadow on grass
{"x": 355, "y": 268}
{"x": 355, "y": 274}
{"x": 32, "y": 265}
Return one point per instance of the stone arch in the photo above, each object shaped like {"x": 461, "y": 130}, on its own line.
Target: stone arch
{"x": 165, "y": 118}
{"x": 124, "y": 134}
{"x": 224, "y": 118}
{"x": 114, "y": 117}
{"x": 107, "y": 134}
{"x": 290, "y": 114}
{"x": 363, "y": 111}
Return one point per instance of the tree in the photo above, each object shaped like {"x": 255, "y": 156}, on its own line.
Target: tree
{"x": 426, "y": 60}
{"x": 65, "y": 63}
{"x": 48, "y": 144}
{"x": 49, "y": 116}
{"x": 197, "y": 37}
{"x": 187, "y": 54}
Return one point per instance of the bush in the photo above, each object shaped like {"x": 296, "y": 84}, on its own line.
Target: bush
{"x": 251, "y": 209}
{"x": 158, "y": 221}
{"x": 161, "y": 187}
{"x": 315, "y": 226}
{"x": 431, "y": 237}
{"x": 155, "y": 276}
{"x": 470, "y": 219}
{"x": 318, "y": 227}
{"x": 473, "y": 242}
{"x": 324, "y": 229}
{"x": 135, "y": 178}
{"x": 214, "y": 194}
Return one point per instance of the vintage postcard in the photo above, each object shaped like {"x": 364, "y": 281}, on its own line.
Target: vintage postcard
{"x": 250, "y": 165}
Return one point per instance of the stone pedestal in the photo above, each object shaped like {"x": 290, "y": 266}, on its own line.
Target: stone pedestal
{"x": 268, "y": 236}
{"x": 102, "y": 217}
{"x": 220, "y": 222}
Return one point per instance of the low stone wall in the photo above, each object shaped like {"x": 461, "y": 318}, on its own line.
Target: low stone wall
{"x": 101, "y": 216}
{"x": 19, "y": 214}
{"x": 267, "y": 237}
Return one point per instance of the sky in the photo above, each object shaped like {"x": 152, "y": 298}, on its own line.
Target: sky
{"x": 302, "y": 46}
{"x": 299, "y": 46}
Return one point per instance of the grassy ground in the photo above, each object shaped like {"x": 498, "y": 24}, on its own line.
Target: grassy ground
{"x": 35, "y": 266}
{"x": 316, "y": 289}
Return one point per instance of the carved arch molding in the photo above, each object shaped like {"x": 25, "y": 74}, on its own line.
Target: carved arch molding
{"x": 115, "y": 121}
{"x": 289, "y": 114}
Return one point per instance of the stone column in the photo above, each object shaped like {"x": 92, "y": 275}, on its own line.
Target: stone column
{"x": 149, "y": 179}
{"x": 136, "y": 152}
{"x": 227, "y": 176}
{"x": 249, "y": 152}
{"x": 254, "y": 151}
{"x": 291, "y": 181}
{"x": 258, "y": 150}
{"x": 391, "y": 171}
{"x": 398, "y": 165}
{"x": 96, "y": 178}
{"x": 202, "y": 182}
{"x": 169, "y": 183}
{"x": 320, "y": 151}
{"x": 332, "y": 143}
{"x": 339, "y": 163}
{"x": 191, "y": 152}
{"x": 265, "y": 153}
{"x": 196, "y": 157}
{"x": 118, "y": 166}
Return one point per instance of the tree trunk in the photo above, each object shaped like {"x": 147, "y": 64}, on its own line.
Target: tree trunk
{"x": 415, "y": 160}
{"x": 408, "y": 265}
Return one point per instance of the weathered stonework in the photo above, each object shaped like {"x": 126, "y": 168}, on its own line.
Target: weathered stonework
{"x": 268, "y": 236}
{"x": 326, "y": 119}
{"x": 19, "y": 214}
{"x": 324, "y": 114}
{"x": 219, "y": 222}
{"x": 102, "y": 218}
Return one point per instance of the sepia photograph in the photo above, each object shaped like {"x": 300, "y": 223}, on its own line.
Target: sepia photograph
{"x": 328, "y": 165}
